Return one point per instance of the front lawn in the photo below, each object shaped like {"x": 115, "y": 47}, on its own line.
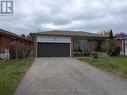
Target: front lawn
{"x": 11, "y": 73}
{"x": 117, "y": 65}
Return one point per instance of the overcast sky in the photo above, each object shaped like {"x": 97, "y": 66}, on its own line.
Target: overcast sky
{"x": 83, "y": 15}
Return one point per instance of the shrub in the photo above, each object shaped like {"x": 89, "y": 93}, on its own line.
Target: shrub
{"x": 94, "y": 55}
{"x": 78, "y": 54}
{"x": 86, "y": 53}
{"x": 19, "y": 51}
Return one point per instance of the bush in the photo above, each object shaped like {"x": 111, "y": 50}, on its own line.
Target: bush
{"x": 86, "y": 53}
{"x": 115, "y": 52}
{"x": 19, "y": 51}
{"x": 94, "y": 55}
{"x": 78, "y": 54}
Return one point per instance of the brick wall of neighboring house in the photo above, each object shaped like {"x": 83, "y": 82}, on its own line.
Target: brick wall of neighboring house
{"x": 7, "y": 38}
{"x": 120, "y": 43}
{"x": 5, "y": 42}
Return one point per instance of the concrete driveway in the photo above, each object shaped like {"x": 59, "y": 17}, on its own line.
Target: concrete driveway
{"x": 68, "y": 76}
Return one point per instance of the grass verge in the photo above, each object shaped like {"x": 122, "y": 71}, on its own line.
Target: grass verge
{"x": 117, "y": 65}
{"x": 11, "y": 73}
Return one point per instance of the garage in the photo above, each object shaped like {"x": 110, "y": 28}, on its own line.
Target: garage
{"x": 53, "y": 49}
{"x": 53, "y": 46}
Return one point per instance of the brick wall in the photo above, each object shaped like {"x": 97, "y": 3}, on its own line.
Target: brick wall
{"x": 5, "y": 42}
{"x": 120, "y": 43}
{"x": 34, "y": 46}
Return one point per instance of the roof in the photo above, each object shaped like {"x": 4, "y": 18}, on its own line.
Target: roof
{"x": 2, "y": 31}
{"x": 5, "y": 32}
{"x": 67, "y": 33}
{"x": 121, "y": 36}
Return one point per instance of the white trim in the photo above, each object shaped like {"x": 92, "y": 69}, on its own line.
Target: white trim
{"x": 53, "y": 39}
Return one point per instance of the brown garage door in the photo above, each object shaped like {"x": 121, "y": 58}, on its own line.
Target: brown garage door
{"x": 53, "y": 49}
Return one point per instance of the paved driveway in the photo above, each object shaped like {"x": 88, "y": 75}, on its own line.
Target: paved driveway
{"x": 68, "y": 76}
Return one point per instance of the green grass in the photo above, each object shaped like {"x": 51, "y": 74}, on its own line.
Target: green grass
{"x": 11, "y": 73}
{"x": 117, "y": 65}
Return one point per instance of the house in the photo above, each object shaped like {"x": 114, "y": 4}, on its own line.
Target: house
{"x": 7, "y": 38}
{"x": 121, "y": 43}
{"x": 60, "y": 43}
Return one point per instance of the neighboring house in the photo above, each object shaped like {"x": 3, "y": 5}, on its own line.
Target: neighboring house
{"x": 6, "y": 39}
{"x": 121, "y": 43}
{"x": 58, "y": 43}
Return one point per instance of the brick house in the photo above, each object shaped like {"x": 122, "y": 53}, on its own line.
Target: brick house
{"x": 7, "y": 38}
{"x": 61, "y": 43}
{"x": 121, "y": 43}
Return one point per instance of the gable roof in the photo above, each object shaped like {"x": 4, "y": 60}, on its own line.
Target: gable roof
{"x": 10, "y": 34}
{"x": 67, "y": 33}
{"x": 2, "y": 31}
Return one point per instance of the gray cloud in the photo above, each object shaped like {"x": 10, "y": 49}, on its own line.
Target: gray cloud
{"x": 92, "y": 15}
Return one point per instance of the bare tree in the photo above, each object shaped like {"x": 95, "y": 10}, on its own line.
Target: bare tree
{"x": 110, "y": 46}
{"x": 92, "y": 49}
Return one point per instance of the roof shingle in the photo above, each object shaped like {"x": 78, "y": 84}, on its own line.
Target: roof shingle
{"x": 67, "y": 33}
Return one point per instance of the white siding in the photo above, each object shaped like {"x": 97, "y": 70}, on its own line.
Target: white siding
{"x": 54, "y": 39}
